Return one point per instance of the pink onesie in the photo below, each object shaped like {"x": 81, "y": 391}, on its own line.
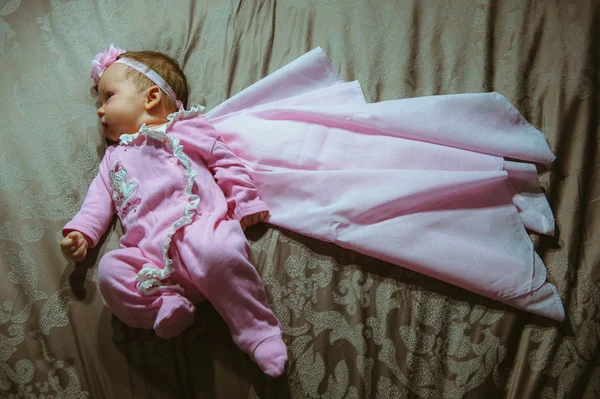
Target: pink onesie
{"x": 182, "y": 226}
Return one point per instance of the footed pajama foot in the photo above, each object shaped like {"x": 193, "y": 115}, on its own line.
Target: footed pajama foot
{"x": 175, "y": 315}
{"x": 271, "y": 355}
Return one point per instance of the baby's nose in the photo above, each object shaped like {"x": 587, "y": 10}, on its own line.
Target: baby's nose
{"x": 100, "y": 112}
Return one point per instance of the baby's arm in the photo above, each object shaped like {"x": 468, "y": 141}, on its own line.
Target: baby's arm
{"x": 93, "y": 218}
{"x": 200, "y": 139}
{"x": 234, "y": 180}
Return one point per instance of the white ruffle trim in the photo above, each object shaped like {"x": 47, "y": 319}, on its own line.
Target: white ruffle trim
{"x": 151, "y": 279}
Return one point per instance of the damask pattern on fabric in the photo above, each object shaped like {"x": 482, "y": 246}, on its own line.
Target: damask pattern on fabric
{"x": 355, "y": 327}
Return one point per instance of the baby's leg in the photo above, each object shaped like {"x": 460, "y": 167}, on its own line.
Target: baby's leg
{"x": 217, "y": 261}
{"x": 167, "y": 312}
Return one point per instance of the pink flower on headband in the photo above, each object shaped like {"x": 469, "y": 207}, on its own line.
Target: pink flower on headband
{"x": 103, "y": 60}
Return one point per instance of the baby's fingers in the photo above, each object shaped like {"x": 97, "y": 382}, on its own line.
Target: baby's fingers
{"x": 79, "y": 254}
{"x": 259, "y": 217}
{"x": 66, "y": 243}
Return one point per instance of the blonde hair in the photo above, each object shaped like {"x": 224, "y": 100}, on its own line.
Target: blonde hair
{"x": 166, "y": 67}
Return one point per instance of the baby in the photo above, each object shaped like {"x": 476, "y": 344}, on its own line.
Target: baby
{"x": 183, "y": 199}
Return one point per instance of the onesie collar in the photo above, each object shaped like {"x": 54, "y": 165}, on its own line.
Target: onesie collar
{"x": 196, "y": 110}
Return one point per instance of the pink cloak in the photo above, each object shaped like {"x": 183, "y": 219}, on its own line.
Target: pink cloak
{"x": 422, "y": 182}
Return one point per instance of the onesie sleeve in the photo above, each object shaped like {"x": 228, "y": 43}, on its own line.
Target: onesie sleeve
{"x": 98, "y": 209}
{"x": 234, "y": 180}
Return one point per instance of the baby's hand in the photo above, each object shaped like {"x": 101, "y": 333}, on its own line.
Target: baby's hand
{"x": 251, "y": 220}
{"x": 75, "y": 246}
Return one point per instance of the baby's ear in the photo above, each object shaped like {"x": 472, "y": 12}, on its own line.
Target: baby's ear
{"x": 153, "y": 97}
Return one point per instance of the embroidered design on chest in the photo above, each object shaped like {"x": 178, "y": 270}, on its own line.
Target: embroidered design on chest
{"x": 122, "y": 187}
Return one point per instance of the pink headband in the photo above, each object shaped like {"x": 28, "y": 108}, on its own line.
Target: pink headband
{"x": 103, "y": 60}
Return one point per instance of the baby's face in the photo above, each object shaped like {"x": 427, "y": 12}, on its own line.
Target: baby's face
{"x": 122, "y": 105}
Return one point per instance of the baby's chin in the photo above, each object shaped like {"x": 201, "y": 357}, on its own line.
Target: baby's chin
{"x": 109, "y": 134}
{"x": 114, "y": 133}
